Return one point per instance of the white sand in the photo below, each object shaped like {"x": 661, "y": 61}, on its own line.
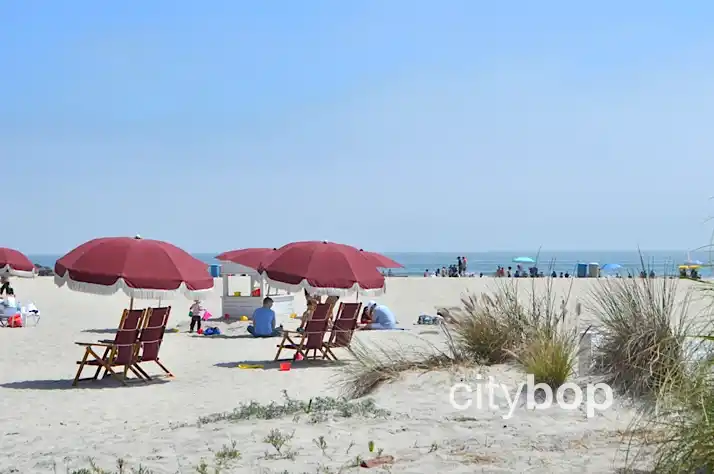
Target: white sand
{"x": 44, "y": 422}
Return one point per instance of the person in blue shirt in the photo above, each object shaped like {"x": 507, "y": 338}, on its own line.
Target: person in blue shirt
{"x": 379, "y": 316}
{"x": 264, "y": 321}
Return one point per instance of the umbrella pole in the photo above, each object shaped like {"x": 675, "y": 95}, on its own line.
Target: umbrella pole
{"x": 131, "y": 303}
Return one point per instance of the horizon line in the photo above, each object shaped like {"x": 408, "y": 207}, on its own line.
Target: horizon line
{"x": 521, "y": 251}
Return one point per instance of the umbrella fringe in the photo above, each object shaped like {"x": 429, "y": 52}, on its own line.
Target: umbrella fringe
{"x": 315, "y": 290}
{"x": 7, "y": 270}
{"x": 136, "y": 293}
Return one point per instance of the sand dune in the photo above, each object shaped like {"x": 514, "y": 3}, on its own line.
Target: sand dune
{"x": 46, "y": 424}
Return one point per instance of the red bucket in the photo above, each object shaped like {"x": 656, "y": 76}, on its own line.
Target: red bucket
{"x": 15, "y": 321}
{"x": 285, "y": 366}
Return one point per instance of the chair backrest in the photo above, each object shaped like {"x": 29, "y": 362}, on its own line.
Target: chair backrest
{"x": 127, "y": 336}
{"x": 317, "y": 326}
{"x": 153, "y": 332}
{"x": 345, "y": 324}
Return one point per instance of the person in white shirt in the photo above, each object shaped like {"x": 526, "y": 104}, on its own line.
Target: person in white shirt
{"x": 196, "y": 315}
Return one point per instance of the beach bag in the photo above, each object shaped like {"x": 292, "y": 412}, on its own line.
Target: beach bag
{"x": 15, "y": 321}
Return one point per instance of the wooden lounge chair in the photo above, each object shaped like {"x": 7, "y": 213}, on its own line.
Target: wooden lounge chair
{"x": 311, "y": 338}
{"x": 150, "y": 339}
{"x": 342, "y": 329}
{"x": 120, "y": 352}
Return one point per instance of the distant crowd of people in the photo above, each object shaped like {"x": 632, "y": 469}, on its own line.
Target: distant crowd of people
{"x": 458, "y": 269}
{"x": 520, "y": 272}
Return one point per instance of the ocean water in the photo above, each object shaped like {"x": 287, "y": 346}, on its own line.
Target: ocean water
{"x": 415, "y": 263}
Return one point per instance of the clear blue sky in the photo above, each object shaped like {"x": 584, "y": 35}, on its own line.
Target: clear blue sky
{"x": 391, "y": 125}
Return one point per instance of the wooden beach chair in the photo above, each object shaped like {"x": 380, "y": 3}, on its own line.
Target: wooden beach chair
{"x": 150, "y": 339}
{"x": 312, "y": 336}
{"x": 342, "y": 328}
{"x": 119, "y": 352}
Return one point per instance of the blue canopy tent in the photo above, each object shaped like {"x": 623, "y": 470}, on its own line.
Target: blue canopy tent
{"x": 611, "y": 267}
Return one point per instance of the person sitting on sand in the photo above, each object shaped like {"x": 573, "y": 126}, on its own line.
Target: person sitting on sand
{"x": 379, "y": 316}
{"x": 264, "y": 321}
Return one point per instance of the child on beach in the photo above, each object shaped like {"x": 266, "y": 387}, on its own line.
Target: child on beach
{"x": 196, "y": 313}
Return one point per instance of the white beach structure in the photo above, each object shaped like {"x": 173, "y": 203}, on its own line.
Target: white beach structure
{"x": 237, "y": 303}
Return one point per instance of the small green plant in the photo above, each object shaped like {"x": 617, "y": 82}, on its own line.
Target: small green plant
{"x": 227, "y": 454}
{"x": 222, "y": 459}
{"x": 279, "y": 441}
{"x": 322, "y": 445}
{"x": 94, "y": 468}
{"x": 318, "y": 409}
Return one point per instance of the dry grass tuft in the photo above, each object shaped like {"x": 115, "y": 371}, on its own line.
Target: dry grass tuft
{"x": 490, "y": 329}
{"x": 643, "y": 330}
{"x": 375, "y": 365}
{"x": 550, "y": 358}
{"x": 679, "y": 426}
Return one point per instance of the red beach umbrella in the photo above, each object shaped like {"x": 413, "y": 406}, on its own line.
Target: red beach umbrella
{"x": 251, "y": 257}
{"x": 141, "y": 268}
{"x": 381, "y": 261}
{"x": 323, "y": 268}
{"x": 15, "y": 263}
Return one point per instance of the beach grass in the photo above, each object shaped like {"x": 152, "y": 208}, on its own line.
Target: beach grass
{"x": 489, "y": 329}
{"x": 642, "y": 348}
{"x": 682, "y": 412}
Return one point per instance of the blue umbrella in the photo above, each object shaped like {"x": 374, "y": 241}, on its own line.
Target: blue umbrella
{"x": 610, "y": 267}
{"x": 695, "y": 262}
{"x": 523, "y": 260}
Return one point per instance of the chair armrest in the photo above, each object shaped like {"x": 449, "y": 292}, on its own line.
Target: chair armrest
{"x": 90, "y": 344}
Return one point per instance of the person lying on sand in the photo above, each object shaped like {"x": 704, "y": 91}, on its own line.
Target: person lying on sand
{"x": 264, "y": 321}
{"x": 378, "y": 316}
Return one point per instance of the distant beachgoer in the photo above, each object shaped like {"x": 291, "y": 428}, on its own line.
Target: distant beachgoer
{"x": 466, "y": 266}
{"x": 264, "y": 321}
{"x": 426, "y": 273}
{"x": 10, "y": 301}
{"x": 196, "y": 312}
{"x": 379, "y": 316}
{"x": 5, "y": 288}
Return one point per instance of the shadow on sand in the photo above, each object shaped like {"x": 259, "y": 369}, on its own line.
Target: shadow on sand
{"x": 101, "y": 331}
{"x": 66, "y": 384}
{"x": 275, "y": 364}
{"x": 225, "y": 336}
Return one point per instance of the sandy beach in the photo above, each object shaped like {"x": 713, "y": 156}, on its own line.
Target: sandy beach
{"x": 49, "y": 426}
